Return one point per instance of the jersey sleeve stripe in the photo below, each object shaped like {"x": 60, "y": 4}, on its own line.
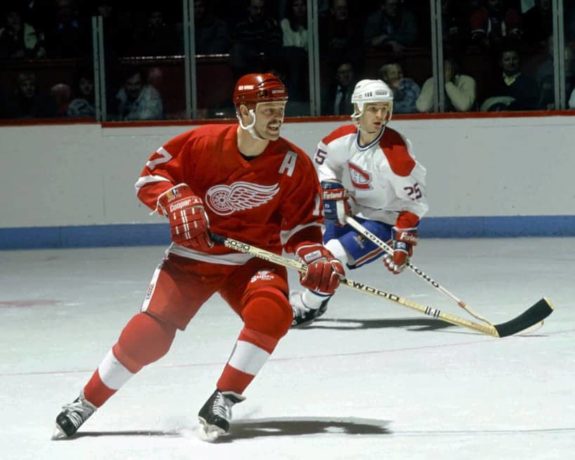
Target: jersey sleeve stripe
{"x": 145, "y": 180}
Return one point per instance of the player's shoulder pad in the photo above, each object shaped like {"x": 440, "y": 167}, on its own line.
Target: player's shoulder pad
{"x": 213, "y": 135}
{"x": 210, "y": 130}
{"x": 340, "y": 132}
{"x": 396, "y": 149}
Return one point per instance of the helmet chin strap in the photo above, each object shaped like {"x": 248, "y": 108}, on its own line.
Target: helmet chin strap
{"x": 250, "y": 127}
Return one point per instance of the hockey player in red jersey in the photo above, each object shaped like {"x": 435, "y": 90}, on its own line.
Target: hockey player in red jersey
{"x": 238, "y": 180}
{"x": 367, "y": 170}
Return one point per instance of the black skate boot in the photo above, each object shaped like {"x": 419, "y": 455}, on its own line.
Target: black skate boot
{"x": 302, "y": 314}
{"x": 216, "y": 414}
{"x": 72, "y": 417}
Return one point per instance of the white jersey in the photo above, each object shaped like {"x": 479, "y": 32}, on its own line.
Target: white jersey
{"x": 383, "y": 178}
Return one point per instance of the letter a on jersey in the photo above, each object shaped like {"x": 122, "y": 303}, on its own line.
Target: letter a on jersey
{"x": 288, "y": 165}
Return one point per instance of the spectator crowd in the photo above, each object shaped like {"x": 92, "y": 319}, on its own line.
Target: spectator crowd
{"x": 498, "y": 53}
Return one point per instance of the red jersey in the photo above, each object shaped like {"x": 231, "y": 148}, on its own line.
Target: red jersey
{"x": 271, "y": 201}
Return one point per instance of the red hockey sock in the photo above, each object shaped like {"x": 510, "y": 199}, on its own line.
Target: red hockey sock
{"x": 234, "y": 380}
{"x": 96, "y": 391}
{"x": 143, "y": 341}
{"x": 267, "y": 317}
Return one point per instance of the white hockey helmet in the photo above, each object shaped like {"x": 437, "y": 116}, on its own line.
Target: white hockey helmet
{"x": 366, "y": 91}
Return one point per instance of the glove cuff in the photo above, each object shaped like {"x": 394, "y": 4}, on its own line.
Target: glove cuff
{"x": 332, "y": 183}
{"x": 309, "y": 252}
{"x": 172, "y": 194}
{"x": 407, "y": 236}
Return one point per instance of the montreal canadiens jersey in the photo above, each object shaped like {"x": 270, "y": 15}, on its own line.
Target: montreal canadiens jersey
{"x": 271, "y": 201}
{"x": 383, "y": 178}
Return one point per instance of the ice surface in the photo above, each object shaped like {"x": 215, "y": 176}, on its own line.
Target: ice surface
{"x": 369, "y": 380}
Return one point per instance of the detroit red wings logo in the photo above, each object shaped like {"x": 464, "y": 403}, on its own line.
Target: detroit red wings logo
{"x": 359, "y": 178}
{"x": 227, "y": 199}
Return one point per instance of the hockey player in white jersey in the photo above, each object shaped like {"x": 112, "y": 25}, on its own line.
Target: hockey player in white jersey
{"x": 367, "y": 170}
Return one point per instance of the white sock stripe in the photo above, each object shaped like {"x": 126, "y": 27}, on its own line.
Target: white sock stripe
{"x": 312, "y": 300}
{"x": 248, "y": 357}
{"x": 113, "y": 373}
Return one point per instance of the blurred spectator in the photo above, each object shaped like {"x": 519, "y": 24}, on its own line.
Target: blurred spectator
{"x": 513, "y": 90}
{"x": 83, "y": 103}
{"x": 340, "y": 35}
{"x": 538, "y": 23}
{"x": 27, "y": 101}
{"x": 137, "y": 100}
{"x": 455, "y": 24}
{"x": 62, "y": 95}
{"x": 493, "y": 23}
{"x": 571, "y": 101}
{"x": 294, "y": 24}
{"x": 257, "y": 41}
{"x": 155, "y": 77}
{"x": 69, "y": 35}
{"x": 405, "y": 90}
{"x": 336, "y": 99}
{"x": 460, "y": 90}
{"x": 19, "y": 39}
{"x": 156, "y": 37}
{"x": 391, "y": 27}
{"x": 545, "y": 75}
{"x": 211, "y": 33}
{"x": 295, "y": 42}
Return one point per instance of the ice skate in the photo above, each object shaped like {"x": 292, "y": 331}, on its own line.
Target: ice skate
{"x": 302, "y": 314}
{"x": 72, "y": 417}
{"x": 216, "y": 414}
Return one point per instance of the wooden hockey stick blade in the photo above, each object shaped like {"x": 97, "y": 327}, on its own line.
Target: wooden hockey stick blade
{"x": 529, "y": 318}
{"x": 532, "y": 316}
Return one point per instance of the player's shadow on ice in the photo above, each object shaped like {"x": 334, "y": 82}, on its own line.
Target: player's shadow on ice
{"x": 299, "y": 426}
{"x": 143, "y": 433}
{"x": 268, "y": 427}
{"x": 349, "y": 324}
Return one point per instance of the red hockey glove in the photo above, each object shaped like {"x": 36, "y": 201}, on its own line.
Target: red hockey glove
{"x": 402, "y": 243}
{"x": 323, "y": 269}
{"x": 335, "y": 202}
{"x": 188, "y": 219}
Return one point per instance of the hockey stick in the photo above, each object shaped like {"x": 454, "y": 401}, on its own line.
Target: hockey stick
{"x": 383, "y": 245}
{"x": 533, "y": 315}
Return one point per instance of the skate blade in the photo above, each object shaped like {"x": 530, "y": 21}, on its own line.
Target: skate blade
{"x": 58, "y": 434}
{"x": 210, "y": 433}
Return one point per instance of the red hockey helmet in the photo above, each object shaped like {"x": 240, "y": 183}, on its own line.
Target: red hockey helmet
{"x": 259, "y": 87}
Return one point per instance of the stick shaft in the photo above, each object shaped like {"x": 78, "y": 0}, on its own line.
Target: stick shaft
{"x": 301, "y": 267}
{"x": 383, "y": 245}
